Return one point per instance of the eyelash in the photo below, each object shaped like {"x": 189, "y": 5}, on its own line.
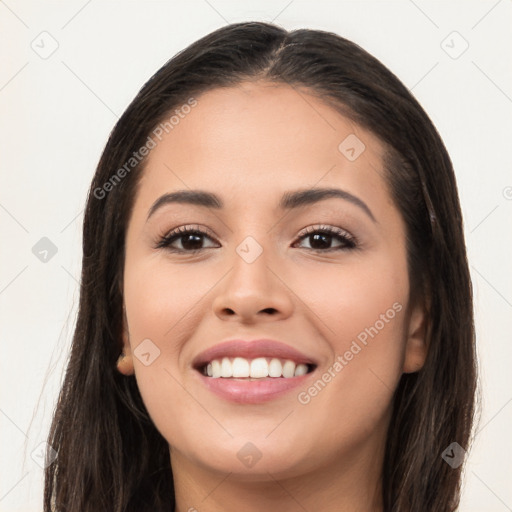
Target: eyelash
{"x": 349, "y": 241}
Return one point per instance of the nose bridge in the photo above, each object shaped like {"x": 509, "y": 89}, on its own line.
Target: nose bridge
{"x": 251, "y": 286}
{"x": 251, "y": 273}
{"x": 254, "y": 249}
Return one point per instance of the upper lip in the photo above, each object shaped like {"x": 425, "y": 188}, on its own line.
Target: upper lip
{"x": 251, "y": 350}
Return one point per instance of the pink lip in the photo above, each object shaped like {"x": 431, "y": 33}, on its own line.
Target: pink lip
{"x": 251, "y": 350}
{"x": 252, "y": 392}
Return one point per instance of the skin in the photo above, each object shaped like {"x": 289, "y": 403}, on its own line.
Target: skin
{"x": 249, "y": 144}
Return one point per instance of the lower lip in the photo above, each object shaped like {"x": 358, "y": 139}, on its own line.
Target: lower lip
{"x": 252, "y": 391}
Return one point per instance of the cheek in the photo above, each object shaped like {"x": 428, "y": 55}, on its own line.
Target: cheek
{"x": 163, "y": 305}
{"x": 161, "y": 298}
{"x": 362, "y": 311}
{"x": 347, "y": 299}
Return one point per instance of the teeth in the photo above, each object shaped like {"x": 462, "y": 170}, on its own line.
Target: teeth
{"x": 258, "y": 368}
{"x": 240, "y": 367}
{"x": 226, "y": 368}
{"x": 215, "y": 369}
{"x": 301, "y": 369}
{"x": 288, "y": 369}
{"x": 275, "y": 368}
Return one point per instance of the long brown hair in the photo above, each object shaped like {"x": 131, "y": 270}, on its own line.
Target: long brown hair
{"x": 110, "y": 455}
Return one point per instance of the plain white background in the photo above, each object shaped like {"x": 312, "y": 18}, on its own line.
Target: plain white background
{"x": 57, "y": 111}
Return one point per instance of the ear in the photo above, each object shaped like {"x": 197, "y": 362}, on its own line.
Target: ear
{"x": 416, "y": 346}
{"x": 125, "y": 361}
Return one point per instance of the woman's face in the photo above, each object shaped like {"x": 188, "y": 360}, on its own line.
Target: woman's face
{"x": 265, "y": 270}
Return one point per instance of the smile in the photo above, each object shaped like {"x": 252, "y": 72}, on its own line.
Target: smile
{"x": 258, "y": 368}
{"x": 252, "y": 372}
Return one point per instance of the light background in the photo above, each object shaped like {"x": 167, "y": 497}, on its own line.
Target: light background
{"x": 57, "y": 112}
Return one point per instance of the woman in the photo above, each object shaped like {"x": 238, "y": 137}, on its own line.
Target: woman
{"x": 276, "y": 308}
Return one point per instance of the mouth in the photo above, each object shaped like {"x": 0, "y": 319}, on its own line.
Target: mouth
{"x": 240, "y": 368}
{"x": 253, "y": 372}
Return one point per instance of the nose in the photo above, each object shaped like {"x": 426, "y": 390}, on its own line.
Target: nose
{"x": 254, "y": 291}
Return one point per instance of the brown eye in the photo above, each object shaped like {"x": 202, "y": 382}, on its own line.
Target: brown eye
{"x": 320, "y": 239}
{"x": 191, "y": 240}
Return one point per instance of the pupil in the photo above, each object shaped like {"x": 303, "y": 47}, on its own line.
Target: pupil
{"x": 317, "y": 241}
{"x": 191, "y": 246}
{"x": 319, "y": 237}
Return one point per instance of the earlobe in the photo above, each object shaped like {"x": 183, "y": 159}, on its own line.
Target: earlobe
{"x": 125, "y": 364}
{"x": 417, "y": 343}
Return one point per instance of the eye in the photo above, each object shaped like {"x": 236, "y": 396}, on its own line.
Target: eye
{"x": 190, "y": 238}
{"x": 320, "y": 238}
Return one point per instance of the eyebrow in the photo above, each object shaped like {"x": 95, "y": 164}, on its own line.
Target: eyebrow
{"x": 289, "y": 200}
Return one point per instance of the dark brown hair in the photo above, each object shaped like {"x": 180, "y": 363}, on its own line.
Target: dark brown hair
{"x": 110, "y": 455}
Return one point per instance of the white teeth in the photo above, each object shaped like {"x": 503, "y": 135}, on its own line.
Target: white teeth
{"x": 258, "y": 368}
{"x": 226, "y": 368}
{"x": 215, "y": 369}
{"x": 240, "y": 367}
{"x": 275, "y": 368}
{"x": 288, "y": 369}
{"x": 301, "y": 369}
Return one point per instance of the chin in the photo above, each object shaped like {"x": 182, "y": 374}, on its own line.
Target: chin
{"x": 253, "y": 460}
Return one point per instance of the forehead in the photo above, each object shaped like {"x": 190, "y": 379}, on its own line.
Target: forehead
{"x": 258, "y": 139}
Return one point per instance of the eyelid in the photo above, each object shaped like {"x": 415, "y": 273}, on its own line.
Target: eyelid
{"x": 185, "y": 228}
{"x": 331, "y": 229}
{"x": 305, "y": 231}
{"x": 164, "y": 241}
{"x": 163, "y": 238}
